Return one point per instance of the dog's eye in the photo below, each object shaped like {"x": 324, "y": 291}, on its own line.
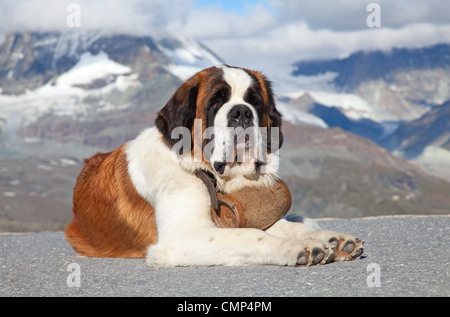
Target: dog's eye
{"x": 255, "y": 101}
{"x": 218, "y": 100}
{"x": 257, "y": 104}
{"x": 216, "y": 103}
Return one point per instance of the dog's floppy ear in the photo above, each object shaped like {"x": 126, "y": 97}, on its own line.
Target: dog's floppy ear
{"x": 274, "y": 117}
{"x": 179, "y": 111}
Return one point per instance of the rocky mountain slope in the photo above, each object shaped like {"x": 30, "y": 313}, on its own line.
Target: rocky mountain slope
{"x": 413, "y": 137}
{"x": 398, "y": 99}
{"x": 334, "y": 173}
{"x": 75, "y": 87}
{"x": 66, "y": 96}
{"x": 399, "y": 85}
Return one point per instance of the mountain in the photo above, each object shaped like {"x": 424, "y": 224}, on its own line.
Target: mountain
{"x": 425, "y": 140}
{"x": 398, "y": 99}
{"x": 76, "y": 86}
{"x": 401, "y": 84}
{"x": 334, "y": 117}
{"x": 65, "y": 96}
{"x": 413, "y": 137}
{"x": 334, "y": 173}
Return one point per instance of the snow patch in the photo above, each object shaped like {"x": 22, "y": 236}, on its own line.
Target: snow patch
{"x": 62, "y": 98}
{"x": 183, "y": 72}
{"x": 353, "y": 106}
{"x": 436, "y": 160}
{"x": 67, "y": 162}
{"x": 72, "y": 43}
{"x": 90, "y": 68}
{"x": 299, "y": 117}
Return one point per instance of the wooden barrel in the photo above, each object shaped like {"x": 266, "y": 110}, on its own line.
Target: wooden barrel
{"x": 256, "y": 208}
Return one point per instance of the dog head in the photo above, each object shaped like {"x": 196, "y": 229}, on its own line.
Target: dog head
{"x": 231, "y": 118}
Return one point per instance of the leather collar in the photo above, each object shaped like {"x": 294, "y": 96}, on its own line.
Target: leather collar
{"x": 211, "y": 184}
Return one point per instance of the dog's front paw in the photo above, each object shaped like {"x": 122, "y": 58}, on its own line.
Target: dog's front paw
{"x": 345, "y": 247}
{"x": 314, "y": 252}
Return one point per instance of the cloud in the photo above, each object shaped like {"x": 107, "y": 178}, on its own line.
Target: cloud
{"x": 296, "y": 41}
{"x": 300, "y": 30}
{"x": 351, "y": 15}
{"x": 131, "y": 16}
{"x": 262, "y": 35}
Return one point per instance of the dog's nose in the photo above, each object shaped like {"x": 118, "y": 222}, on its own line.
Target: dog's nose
{"x": 220, "y": 167}
{"x": 240, "y": 116}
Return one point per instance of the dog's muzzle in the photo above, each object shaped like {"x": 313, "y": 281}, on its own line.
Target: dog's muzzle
{"x": 238, "y": 143}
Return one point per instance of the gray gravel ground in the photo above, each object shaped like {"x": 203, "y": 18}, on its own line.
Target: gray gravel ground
{"x": 409, "y": 254}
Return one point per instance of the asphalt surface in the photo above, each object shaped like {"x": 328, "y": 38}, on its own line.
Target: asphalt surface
{"x": 403, "y": 256}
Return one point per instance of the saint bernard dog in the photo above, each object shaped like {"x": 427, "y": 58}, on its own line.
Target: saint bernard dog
{"x": 144, "y": 200}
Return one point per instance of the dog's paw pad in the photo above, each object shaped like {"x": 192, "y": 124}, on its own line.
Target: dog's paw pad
{"x": 348, "y": 249}
{"x": 334, "y": 243}
{"x": 316, "y": 252}
{"x": 302, "y": 259}
{"x": 317, "y": 256}
{"x": 349, "y": 246}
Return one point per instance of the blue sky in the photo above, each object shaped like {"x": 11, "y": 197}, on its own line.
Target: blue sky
{"x": 238, "y": 6}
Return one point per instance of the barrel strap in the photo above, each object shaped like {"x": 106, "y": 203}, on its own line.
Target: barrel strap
{"x": 211, "y": 184}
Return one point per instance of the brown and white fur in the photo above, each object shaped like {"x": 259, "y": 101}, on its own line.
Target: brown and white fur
{"x": 141, "y": 200}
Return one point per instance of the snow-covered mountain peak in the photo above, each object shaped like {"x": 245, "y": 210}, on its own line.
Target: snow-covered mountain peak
{"x": 74, "y": 43}
{"x": 187, "y": 56}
